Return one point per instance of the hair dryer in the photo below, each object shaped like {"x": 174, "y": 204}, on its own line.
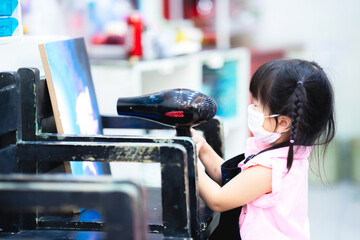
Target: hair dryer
{"x": 181, "y": 108}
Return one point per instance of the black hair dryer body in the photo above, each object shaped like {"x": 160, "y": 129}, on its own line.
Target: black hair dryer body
{"x": 181, "y": 108}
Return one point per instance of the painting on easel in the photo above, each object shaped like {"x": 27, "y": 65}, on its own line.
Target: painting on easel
{"x": 72, "y": 94}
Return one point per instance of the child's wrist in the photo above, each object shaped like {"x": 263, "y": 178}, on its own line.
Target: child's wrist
{"x": 204, "y": 149}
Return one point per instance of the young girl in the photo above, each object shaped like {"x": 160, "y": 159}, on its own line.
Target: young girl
{"x": 293, "y": 110}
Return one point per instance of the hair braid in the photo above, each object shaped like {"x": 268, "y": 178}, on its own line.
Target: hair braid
{"x": 296, "y": 114}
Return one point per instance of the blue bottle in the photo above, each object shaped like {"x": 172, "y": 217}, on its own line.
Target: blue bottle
{"x": 8, "y": 23}
{"x": 7, "y": 7}
{"x": 8, "y": 26}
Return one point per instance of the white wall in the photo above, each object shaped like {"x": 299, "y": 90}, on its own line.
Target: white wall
{"x": 329, "y": 31}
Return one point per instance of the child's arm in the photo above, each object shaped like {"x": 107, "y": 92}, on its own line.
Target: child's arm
{"x": 209, "y": 158}
{"x": 245, "y": 187}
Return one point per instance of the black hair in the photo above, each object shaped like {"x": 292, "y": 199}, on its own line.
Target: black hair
{"x": 300, "y": 90}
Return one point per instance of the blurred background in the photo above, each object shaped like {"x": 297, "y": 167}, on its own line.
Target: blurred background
{"x": 142, "y": 46}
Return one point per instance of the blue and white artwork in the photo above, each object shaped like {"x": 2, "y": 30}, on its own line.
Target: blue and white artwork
{"x": 68, "y": 75}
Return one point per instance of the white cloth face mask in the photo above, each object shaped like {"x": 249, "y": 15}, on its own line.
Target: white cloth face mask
{"x": 255, "y": 122}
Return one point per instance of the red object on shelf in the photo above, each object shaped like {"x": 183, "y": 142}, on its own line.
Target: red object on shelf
{"x": 166, "y": 9}
{"x": 189, "y": 9}
{"x": 259, "y": 57}
{"x": 135, "y": 24}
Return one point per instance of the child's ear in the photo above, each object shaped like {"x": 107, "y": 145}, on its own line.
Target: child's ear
{"x": 284, "y": 124}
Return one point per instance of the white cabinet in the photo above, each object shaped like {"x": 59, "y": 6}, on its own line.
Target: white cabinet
{"x": 113, "y": 79}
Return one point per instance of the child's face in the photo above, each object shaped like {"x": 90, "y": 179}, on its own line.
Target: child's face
{"x": 269, "y": 123}
{"x": 282, "y": 125}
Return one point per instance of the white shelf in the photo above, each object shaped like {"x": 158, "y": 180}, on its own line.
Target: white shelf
{"x": 113, "y": 79}
{"x": 23, "y": 52}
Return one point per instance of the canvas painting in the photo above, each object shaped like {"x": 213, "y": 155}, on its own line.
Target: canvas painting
{"x": 68, "y": 76}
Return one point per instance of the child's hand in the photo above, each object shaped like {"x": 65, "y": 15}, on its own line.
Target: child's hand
{"x": 199, "y": 140}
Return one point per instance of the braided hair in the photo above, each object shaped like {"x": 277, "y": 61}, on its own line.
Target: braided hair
{"x": 300, "y": 90}
{"x": 298, "y": 98}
